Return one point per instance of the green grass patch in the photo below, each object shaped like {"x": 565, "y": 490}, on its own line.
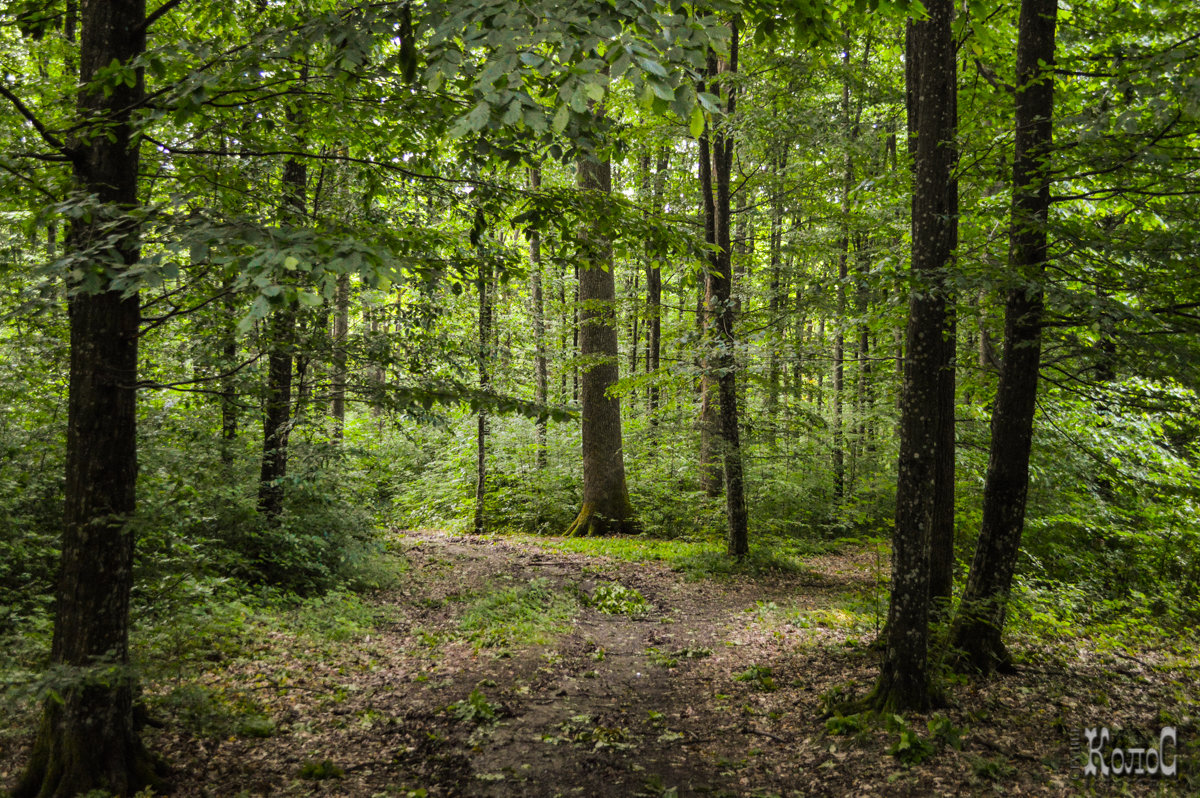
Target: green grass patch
{"x": 701, "y": 558}
{"x": 523, "y": 615}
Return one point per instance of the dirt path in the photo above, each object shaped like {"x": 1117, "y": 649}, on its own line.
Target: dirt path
{"x": 717, "y": 690}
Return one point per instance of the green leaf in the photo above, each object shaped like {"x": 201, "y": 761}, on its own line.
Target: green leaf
{"x": 696, "y": 126}
{"x": 561, "y": 117}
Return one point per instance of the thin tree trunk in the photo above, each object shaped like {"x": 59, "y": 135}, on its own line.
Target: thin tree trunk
{"x": 978, "y": 628}
{"x": 843, "y": 273}
{"x": 721, "y": 310}
{"x": 654, "y": 294}
{"x": 540, "y": 372}
{"x": 774, "y": 301}
{"x": 341, "y": 330}
{"x": 229, "y": 410}
{"x": 484, "y": 286}
{"x": 709, "y": 420}
{"x": 86, "y": 739}
{"x": 606, "y": 507}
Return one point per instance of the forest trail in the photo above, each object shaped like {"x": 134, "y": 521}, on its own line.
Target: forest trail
{"x": 717, "y": 688}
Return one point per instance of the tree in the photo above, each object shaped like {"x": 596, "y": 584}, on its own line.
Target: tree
{"x": 606, "y": 507}
{"x": 540, "y": 371}
{"x": 483, "y": 285}
{"x": 86, "y": 739}
{"x": 277, "y": 416}
{"x": 904, "y": 676}
{"x": 716, "y": 166}
{"x": 978, "y": 627}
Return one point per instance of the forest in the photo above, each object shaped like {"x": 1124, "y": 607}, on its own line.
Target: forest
{"x": 633, "y": 398}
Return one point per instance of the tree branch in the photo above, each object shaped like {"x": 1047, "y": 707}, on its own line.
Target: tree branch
{"x": 42, "y": 130}
{"x": 157, "y": 14}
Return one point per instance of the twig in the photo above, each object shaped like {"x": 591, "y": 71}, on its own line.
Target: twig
{"x": 775, "y": 737}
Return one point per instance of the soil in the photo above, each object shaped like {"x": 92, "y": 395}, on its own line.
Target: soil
{"x": 720, "y": 689}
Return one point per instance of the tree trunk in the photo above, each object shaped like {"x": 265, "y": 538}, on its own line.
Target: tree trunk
{"x": 774, "y": 301}
{"x": 484, "y": 286}
{"x": 606, "y": 507}
{"x": 654, "y": 295}
{"x": 229, "y": 409}
{"x": 341, "y": 330}
{"x": 721, "y": 310}
{"x": 843, "y": 273}
{"x": 86, "y": 739}
{"x": 709, "y": 420}
{"x": 904, "y": 677}
{"x": 540, "y": 373}
{"x": 941, "y": 544}
{"x": 977, "y": 631}
{"x": 277, "y": 421}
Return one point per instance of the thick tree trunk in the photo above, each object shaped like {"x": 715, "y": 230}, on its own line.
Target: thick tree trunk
{"x": 904, "y": 678}
{"x": 86, "y": 739}
{"x": 540, "y": 372}
{"x": 606, "y": 507}
{"x": 977, "y": 631}
{"x": 941, "y": 544}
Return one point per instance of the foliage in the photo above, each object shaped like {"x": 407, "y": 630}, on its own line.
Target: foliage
{"x": 910, "y": 748}
{"x": 617, "y": 599}
{"x": 513, "y": 616}
{"x": 475, "y": 709}
{"x": 760, "y": 677}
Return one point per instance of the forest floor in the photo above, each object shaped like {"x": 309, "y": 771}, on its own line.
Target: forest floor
{"x": 512, "y": 667}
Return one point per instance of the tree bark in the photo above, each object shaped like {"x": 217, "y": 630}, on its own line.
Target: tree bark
{"x": 654, "y": 294}
{"x": 483, "y": 285}
{"x": 341, "y": 331}
{"x": 86, "y": 739}
{"x": 709, "y": 420}
{"x": 941, "y": 545}
{"x": 719, "y": 279}
{"x": 977, "y": 631}
{"x": 775, "y": 303}
{"x": 606, "y": 507}
{"x": 229, "y": 409}
{"x": 540, "y": 373}
{"x": 904, "y": 678}
{"x": 277, "y": 415}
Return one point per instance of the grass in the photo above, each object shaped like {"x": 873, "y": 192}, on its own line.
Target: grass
{"x": 528, "y": 614}
{"x": 699, "y": 558}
